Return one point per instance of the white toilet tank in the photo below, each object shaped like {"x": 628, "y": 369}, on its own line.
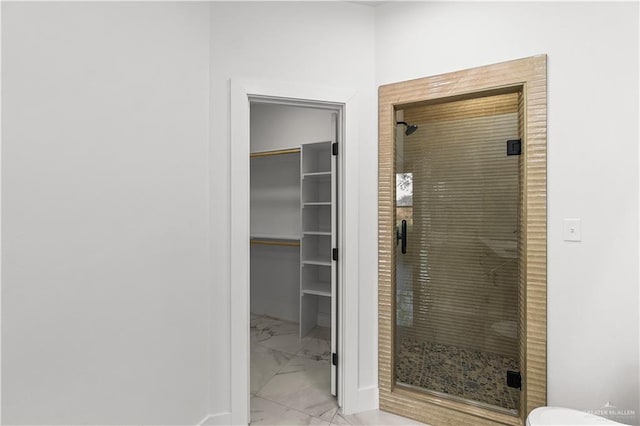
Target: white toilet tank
{"x": 556, "y": 416}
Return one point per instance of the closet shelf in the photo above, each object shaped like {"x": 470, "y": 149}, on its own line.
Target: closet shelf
{"x": 317, "y": 288}
{"x": 317, "y": 175}
{"x": 275, "y": 240}
{"x": 319, "y": 262}
{"x": 275, "y": 243}
{"x": 275, "y": 152}
{"x": 288, "y": 237}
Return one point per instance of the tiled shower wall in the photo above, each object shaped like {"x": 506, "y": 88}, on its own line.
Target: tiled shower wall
{"x": 460, "y": 272}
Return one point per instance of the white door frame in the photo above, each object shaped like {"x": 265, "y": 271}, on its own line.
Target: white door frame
{"x": 241, "y": 93}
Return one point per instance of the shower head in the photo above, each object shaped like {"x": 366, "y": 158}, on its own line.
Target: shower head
{"x": 410, "y": 128}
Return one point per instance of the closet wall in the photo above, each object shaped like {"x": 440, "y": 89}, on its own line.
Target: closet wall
{"x": 275, "y": 206}
{"x": 276, "y": 126}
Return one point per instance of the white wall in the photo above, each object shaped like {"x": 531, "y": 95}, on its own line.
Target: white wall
{"x": 105, "y": 298}
{"x": 592, "y": 164}
{"x": 319, "y": 44}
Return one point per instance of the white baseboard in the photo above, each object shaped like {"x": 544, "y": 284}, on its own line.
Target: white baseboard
{"x": 220, "y": 419}
{"x": 368, "y": 398}
{"x": 364, "y": 399}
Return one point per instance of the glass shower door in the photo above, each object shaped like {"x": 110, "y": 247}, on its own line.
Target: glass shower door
{"x": 458, "y": 223}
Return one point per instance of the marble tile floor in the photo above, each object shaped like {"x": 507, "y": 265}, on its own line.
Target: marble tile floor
{"x": 466, "y": 373}
{"x": 290, "y": 379}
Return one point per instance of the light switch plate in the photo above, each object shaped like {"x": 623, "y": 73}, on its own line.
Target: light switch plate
{"x": 571, "y": 230}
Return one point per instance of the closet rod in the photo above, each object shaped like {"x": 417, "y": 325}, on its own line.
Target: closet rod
{"x": 276, "y": 243}
{"x": 276, "y": 152}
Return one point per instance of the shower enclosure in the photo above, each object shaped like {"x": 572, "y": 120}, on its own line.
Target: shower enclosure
{"x": 457, "y": 209}
{"x": 462, "y": 245}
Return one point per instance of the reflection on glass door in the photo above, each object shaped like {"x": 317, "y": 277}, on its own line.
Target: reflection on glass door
{"x": 457, "y": 269}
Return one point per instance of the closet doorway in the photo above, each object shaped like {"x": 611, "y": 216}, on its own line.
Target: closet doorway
{"x": 342, "y": 106}
{"x": 293, "y": 260}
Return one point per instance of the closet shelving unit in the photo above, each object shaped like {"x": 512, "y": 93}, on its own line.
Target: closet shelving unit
{"x": 317, "y": 195}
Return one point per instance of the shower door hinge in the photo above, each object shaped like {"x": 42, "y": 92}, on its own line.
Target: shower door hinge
{"x": 514, "y": 379}
{"x": 334, "y": 148}
{"x": 514, "y": 147}
{"x": 334, "y": 254}
{"x": 334, "y": 359}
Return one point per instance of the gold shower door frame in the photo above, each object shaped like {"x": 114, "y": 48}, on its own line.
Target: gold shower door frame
{"x": 527, "y": 76}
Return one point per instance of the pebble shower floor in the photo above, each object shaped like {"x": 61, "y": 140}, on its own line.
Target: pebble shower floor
{"x": 465, "y": 373}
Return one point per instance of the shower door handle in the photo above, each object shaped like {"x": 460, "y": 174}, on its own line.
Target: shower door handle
{"x": 401, "y": 235}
